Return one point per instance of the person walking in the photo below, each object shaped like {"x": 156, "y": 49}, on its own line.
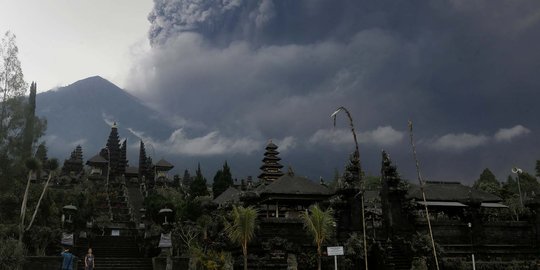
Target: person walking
{"x": 89, "y": 260}
{"x": 68, "y": 259}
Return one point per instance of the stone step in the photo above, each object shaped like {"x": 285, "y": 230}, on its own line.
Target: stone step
{"x": 121, "y": 263}
{"x": 115, "y": 247}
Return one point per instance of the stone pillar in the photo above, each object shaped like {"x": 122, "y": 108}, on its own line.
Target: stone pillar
{"x": 475, "y": 218}
{"x": 534, "y": 205}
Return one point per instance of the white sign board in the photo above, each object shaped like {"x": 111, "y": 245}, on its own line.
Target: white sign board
{"x": 165, "y": 240}
{"x": 335, "y": 251}
{"x": 67, "y": 239}
{"x": 115, "y": 232}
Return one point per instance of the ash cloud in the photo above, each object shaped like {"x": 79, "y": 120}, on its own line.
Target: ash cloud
{"x": 277, "y": 69}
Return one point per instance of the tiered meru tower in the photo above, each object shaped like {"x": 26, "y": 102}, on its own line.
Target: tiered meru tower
{"x": 116, "y": 153}
{"x": 271, "y": 168}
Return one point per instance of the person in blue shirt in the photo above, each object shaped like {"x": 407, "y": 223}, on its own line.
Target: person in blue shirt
{"x": 68, "y": 259}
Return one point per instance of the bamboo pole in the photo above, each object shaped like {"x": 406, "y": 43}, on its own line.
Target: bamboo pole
{"x": 39, "y": 201}
{"x": 422, "y": 184}
{"x": 357, "y": 156}
{"x": 23, "y": 209}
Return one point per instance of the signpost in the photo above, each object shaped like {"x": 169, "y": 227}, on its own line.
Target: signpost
{"x": 335, "y": 251}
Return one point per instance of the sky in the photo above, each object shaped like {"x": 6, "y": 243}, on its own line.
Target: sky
{"x": 231, "y": 74}
{"x": 62, "y": 41}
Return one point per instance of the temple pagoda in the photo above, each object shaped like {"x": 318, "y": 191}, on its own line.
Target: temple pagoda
{"x": 114, "y": 153}
{"x": 74, "y": 165}
{"x": 271, "y": 168}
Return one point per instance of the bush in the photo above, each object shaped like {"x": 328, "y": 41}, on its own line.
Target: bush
{"x": 419, "y": 263}
{"x": 459, "y": 264}
{"x": 11, "y": 254}
{"x": 212, "y": 260}
{"x": 456, "y": 264}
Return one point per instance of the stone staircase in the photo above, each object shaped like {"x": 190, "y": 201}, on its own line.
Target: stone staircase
{"x": 136, "y": 200}
{"x": 398, "y": 258}
{"x": 116, "y": 253}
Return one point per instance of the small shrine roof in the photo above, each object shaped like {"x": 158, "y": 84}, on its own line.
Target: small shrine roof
{"x": 162, "y": 163}
{"x": 132, "y": 170}
{"x": 97, "y": 159}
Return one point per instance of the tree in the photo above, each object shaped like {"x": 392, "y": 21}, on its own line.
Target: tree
{"x": 242, "y": 228}
{"x": 488, "y": 183}
{"x": 18, "y": 130}
{"x": 204, "y": 223}
{"x": 198, "y": 186}
{"x": 537, "y": 168}
{"x": 28, "y": 133}
{"x": 33, "y": 166}
{"x": 351, "y": 175}
{"x": 321, "y": 225}
{"x": 186, "y": 179}
{"x": 11, "y": 254}
{"x": 511, "y": 195}
{"x": 222, "y": 180}
{"x": 528, "y": 183}
{"x": 372, "y": 182}
{"x": 41, "y": 153}
{"x": 12, "y": 82}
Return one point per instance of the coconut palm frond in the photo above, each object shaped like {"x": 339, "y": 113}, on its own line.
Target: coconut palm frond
{"x": 319, "y": 223}
{"x": 243, "y": 224}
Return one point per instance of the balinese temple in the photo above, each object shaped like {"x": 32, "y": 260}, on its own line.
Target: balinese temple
{"x": 112, "y": 157}
{"x": 74, "y": 165}
{"x": 132, "y": 174}
{"x": 289, "y": 196}
{"x": 271, "y": 168}
{"x": 280, "y": 200}
{"x": 161, "y": 168}
{"x": 98, "y": 166}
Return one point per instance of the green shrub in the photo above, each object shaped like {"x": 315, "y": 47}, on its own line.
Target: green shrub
{"x": 11, "y": 254}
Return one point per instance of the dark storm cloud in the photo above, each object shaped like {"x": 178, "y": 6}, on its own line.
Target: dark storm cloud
{"x": 276, "y": 69}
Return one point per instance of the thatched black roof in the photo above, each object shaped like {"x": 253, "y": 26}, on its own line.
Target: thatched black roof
{"x": 450, "y": 191}
{"x": 164, "y": 164}
{"x": 288, "y": 184}
{"x": 271, "y": 146}
{"x": 229, "y": 195}
{"x": 132, "y": 170}
{"x": 97, "y": 159}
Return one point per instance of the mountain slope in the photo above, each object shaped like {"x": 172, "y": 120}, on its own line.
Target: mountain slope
{"x": 81, "y": 113}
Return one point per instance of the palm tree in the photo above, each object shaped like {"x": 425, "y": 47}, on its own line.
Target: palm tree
{"x": 320, "y": 224}
{"x": 242, "y": 229}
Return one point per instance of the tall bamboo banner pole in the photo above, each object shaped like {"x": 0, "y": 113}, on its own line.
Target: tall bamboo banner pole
{"x": 422, "y": 184}
{"x": 357, "y": 156}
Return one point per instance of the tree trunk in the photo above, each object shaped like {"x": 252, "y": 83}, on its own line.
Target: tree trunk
{"x": 244, "y": 250}
{"x": 23, "y": 209}
{"x": 319, "y": 257}
{"x": 4, "y": 100}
